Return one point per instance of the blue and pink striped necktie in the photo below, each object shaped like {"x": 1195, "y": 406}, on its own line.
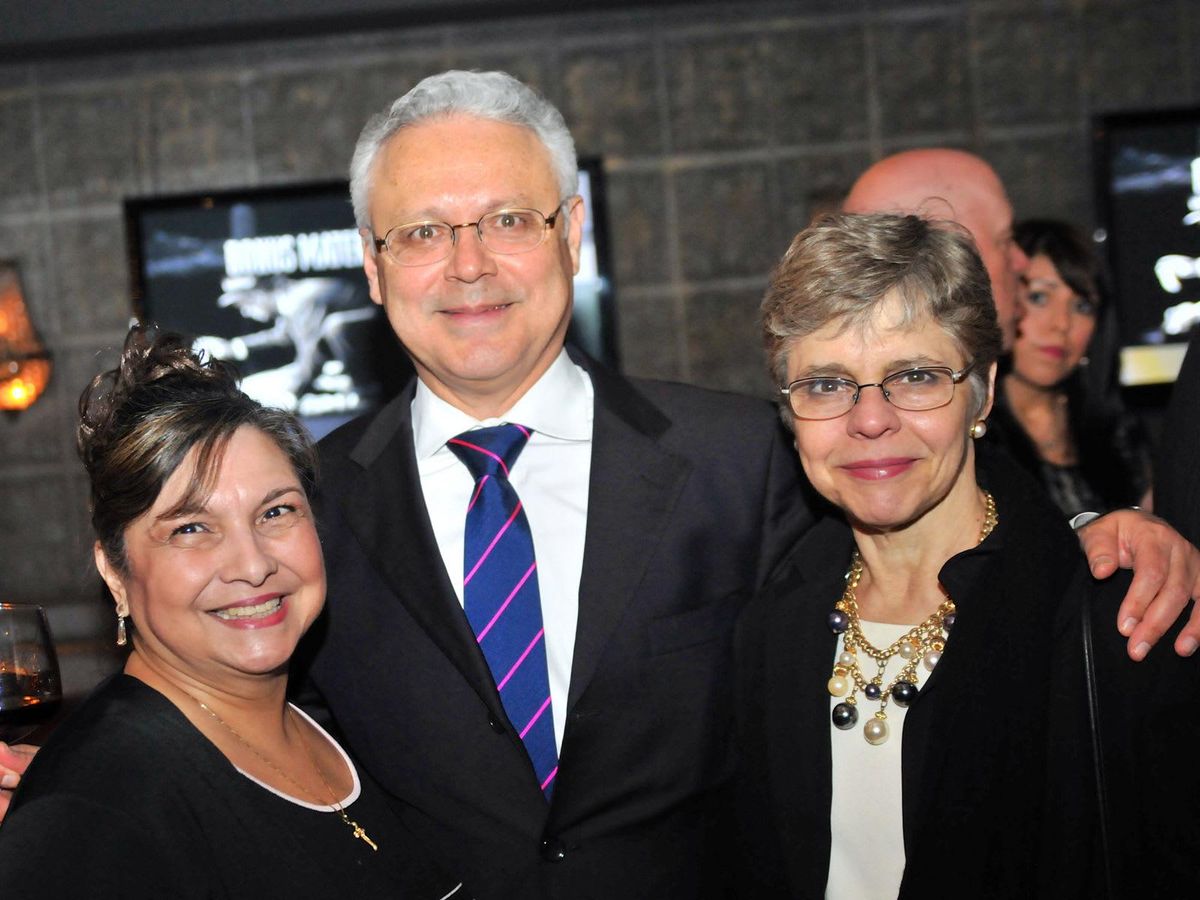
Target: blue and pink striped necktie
{"x": 500, "y": 591}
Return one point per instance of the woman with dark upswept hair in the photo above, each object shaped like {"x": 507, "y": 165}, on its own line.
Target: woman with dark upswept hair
{"x": 1058, "y": 407}
{"x": 189, "y": 774}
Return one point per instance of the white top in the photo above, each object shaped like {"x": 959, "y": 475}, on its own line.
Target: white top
{"x": 550, "y": 477}
{"x": 866, "y": 817}
{"x": 355, "y": 787}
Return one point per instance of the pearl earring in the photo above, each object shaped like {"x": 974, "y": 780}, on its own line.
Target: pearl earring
{"x": 978, "y": 430}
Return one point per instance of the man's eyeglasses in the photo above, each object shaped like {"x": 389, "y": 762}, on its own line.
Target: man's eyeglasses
{"x": 921, "y": 388}
{"x": 506, "y": 231}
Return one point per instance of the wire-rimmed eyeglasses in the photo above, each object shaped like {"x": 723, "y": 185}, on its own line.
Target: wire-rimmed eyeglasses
{"x": 505, "y": 231}
{"x": 916, "y": 389}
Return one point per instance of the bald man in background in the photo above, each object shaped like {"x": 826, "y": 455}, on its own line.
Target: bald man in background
{"x": 942, "y": 183}
{"x": 961, "y": 187}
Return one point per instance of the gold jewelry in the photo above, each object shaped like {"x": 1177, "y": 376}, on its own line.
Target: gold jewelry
{"x": 922, "y": 643}
{"x": 978, "y": 430}
{"x": 358, "y": 829}
{"x": 122, "y": 637}
{"x": 359, "y": 832}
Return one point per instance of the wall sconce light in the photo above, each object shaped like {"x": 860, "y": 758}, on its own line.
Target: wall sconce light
{"x": 24, "y": 362}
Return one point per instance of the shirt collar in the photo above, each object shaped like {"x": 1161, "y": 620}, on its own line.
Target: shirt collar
{"x": 559, "y": 405}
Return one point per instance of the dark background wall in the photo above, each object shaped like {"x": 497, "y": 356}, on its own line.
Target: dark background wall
{"x": 722, "y": 126}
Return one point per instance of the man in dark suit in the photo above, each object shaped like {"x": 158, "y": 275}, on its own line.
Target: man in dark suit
{"x": 654, "y": 510}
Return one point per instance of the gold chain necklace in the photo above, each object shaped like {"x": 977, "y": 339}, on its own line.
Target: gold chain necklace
{"x": 923, "y": 643}
{"x": 358, "y": 830}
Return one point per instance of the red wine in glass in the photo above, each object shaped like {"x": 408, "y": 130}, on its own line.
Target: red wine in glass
{"x": 30, "y": 685}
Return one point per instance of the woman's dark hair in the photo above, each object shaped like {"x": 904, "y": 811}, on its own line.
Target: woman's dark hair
{"x": 1072, "y": 254}
{"x": 1112, "y": 444}
{"x": 1083, "y": 271}
{"x": 139, "y": 421}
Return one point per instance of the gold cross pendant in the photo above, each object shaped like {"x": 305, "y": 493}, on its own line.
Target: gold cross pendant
{"x": 361, "y": 834}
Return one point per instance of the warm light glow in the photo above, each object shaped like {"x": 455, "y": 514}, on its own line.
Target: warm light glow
{"x": 22, "y": 390}
{"x": 24, "y": 363}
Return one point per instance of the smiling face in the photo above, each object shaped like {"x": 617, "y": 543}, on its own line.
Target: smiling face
{"x": 481, "y": 327}
{"x": 1056, "y": 326}
{"x": 226, "y": 589}
{"x": 887, "y": 467}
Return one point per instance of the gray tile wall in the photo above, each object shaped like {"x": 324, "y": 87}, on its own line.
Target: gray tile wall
{"x": 723, "y": 126}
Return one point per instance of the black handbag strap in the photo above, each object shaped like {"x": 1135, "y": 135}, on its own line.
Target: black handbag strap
{"x": 1093, "y": 700}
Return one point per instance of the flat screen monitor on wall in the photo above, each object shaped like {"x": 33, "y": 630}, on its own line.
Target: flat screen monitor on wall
{"x": 1148, "y": 180}
{"x": 271, "y": 279}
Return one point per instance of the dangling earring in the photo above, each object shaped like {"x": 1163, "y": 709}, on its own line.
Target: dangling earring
{"x": 122, "y": 638}
{"x": 978, "y": 430}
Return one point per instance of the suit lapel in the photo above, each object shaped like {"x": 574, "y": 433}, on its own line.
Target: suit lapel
{"x": 633, "y": 488}
{"x": 799, "y": 660}
{"x": 384, "y": 506}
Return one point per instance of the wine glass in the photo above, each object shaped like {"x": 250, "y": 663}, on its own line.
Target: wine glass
{"x": 30, "y": 685}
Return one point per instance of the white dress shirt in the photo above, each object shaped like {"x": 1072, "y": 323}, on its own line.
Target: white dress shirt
{"x": 551, "y": 478}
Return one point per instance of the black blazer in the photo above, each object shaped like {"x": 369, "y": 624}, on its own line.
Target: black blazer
{"x": 693, "y": 497}
{"x": 1176, "y": 474}
{"x": 998, "y": 786}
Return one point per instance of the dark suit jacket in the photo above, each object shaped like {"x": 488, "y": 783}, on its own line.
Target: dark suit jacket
{"x": 1177, "y": 474}
{"x": 998, "y": 782}
{"x": 693, "y": 496}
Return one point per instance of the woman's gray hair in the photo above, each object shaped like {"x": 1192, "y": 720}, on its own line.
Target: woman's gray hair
{"x": 843, "y": 267}
{"x": 486, "y": 95}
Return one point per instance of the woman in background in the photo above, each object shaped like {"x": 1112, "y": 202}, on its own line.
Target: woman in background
{"x": 1058, "y": 410}
{"x": 189, "y": 775}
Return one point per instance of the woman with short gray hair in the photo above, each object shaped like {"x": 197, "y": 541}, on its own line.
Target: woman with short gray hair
{"x": 914, "y": 713}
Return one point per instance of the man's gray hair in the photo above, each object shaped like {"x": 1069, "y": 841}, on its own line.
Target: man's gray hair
{"x": 486, "y": 95}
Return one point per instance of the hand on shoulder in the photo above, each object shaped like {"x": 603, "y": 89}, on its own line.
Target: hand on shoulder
{"x": 1166, "y": 575}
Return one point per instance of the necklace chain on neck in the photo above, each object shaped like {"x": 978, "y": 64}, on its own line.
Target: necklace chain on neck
{"x": 923, "y": 643}
{"x": 358, "y": 830}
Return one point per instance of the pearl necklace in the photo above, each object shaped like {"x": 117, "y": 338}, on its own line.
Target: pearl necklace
{"x": 923, "y": 643}
{"x": 359, "y": 831}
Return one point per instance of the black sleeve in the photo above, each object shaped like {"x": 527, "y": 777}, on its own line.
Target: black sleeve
{"x": 757, "y": 868}
{"x": 61, "y": 845}
{"x": 1149, "y": 720}
{"x": 790, "y": 505}
{"x": 1176, "y": 475}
